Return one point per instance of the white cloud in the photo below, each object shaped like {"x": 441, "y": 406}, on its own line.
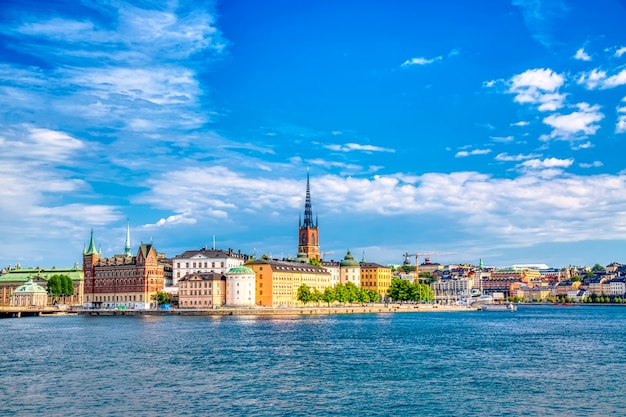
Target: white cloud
{"x": 538, "y": 86}
{"x": 172, "y": 220}
{"x": 575, "y": 125}
{"x": 585, "y": 145}
{"x": 594, "y": 164}
{"x": 582, "y": 55}
{"x": 521, "y": 123}
{"x": 504, "y": 157}
{"x": 350, "y": 147}
{"x": 420, "y": 61}
{"x": 502, "y": 139}
{"x": 621, "y": 51}
{"x": 620, "y": 126}
{"x": 599, "y": 79}
{"x": 463, "y": 154}
{"x": 547, "y": 163}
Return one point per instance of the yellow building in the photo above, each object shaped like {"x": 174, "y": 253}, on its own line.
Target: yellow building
{"x": 277, "y": 282}
{"x": 525, "y": 275}
{"x": 202, "y": 290}
{"x": 375, "y": 277}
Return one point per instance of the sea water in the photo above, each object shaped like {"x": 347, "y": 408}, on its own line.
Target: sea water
{"x": 538, "y": 361}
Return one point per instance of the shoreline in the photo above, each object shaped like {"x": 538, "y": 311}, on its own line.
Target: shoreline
{"x": 291, "y": 311}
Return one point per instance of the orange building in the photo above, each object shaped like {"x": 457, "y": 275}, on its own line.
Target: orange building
{"x": 277, "y": 282}
{"x": 375, "y": 277}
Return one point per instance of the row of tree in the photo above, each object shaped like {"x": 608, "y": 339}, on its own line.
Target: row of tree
{"x": 403, "y": 290}
{"x": 342, "y": 293}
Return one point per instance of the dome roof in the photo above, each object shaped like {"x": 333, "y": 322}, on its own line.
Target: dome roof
{"x": 348, "y": 261}
{"x": 240, "y": 270}
{"x": 302, "y": 258}
{"x": 29, "y": 288}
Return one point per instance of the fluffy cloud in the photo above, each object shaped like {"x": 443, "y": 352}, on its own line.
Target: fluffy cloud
{"x": 547, "y": 163}
{"x": 463, "y": 154}
{"x": 575, "y": 125}
{"x": 582, "y": 55}
{"x": 420, "y": 61}
{"x": 598, "y": 79}
{"x": 521, "y": 123}
{"x": 594, "y": 164}
{"x": 538, "y": 86}
{"x": 504, "y": 157}
{"x": 621, "y": 51}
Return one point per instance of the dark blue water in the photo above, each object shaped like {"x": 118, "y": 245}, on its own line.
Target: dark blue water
{"x": 539, "y": 361}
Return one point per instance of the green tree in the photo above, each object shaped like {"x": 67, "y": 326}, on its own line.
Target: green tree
{"x": 576, "y": 278}
{"x": 329, "y": 295}
{"x": 351, "y": 292}
{"x": 314, "y": 262}
{"x": 598, "y": 267}
{"x": 374, "y": 296}
{"x": 399, "y": 290}
{"x": 161, "y": 297}
{"x": 316, "y": 295}
{"x": 304, "y": 294}
{"x": 341, "y": 293}
{"x": 59, "y": 286}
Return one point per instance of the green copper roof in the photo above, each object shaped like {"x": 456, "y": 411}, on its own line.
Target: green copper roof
{"x": 240, "y": 270}
{"x": 349, "y": 261}
{"x": 24, "y": 274}
{"x": 91, "y": 250}
{"x": 30, "y": 287}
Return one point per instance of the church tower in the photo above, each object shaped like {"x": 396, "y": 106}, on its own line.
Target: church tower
{"x": 91, "y": 256}
{"x": 308, "y": 237}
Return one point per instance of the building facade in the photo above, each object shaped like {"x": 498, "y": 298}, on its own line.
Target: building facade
{"x": 202, "y": 290}
{"x": 240, "y": 287}
{"x": 29, "y": 294}
{"x": 350, "y": 270}
{"x": 204, "y": 261}
{"x": 375, "y": 277}
{"x": 277, "y": 282}
{"x": 14, "y": 277}
{"x": 308, "y": 231}
{"x": 122, "y": 281}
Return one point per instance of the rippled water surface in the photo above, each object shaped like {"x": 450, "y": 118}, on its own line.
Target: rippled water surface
{"x": 538, "y": 361}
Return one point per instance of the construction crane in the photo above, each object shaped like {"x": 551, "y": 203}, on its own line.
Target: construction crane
{"x": 417, "y": 255}
{"x": 326, "y": 253}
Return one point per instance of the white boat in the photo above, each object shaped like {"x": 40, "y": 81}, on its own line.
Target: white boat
{"x": 481, "y": 299}
{"x": 498, "y": 307}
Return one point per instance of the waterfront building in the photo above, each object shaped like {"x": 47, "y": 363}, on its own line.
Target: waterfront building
{"x": 205, "y": 260}
{"x": 617, "y": 287}
{"x": 447, "y": 291}
{"x": 277, "y": 282}
{"x": 308, "y": 231}
{"x": 333, "y": 269}
{"x": 349, "y": 270}
{"x": 240, "y": 287}
{"x": 122, "y": 281}
{"x": 375, "y": 277}
{"x": 522, "y": 274}
{"x": 429, "y": 267}
{"x": 596, "y": 285}
{"x": 29, "y": 294}
{"x": 14, "y": 277}
{"x": 202, "y": 290}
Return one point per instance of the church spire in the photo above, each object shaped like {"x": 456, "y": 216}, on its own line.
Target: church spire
{"x": 308, "y": 212}
{"x": 127, "y": 251}
{"x": 91, "y": 250}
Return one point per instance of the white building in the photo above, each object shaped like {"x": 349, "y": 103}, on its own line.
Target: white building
{"x": 350, "y": 270}
{"x": 333, "y": 269}
{"x": 205, "y": 261}
{"x": 240, "y": 287}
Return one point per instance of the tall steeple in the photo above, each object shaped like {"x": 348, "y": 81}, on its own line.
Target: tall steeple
{"x": 127, "y": 251}
{"x": 308, "y": 238}
{"x": 308, "y": 211}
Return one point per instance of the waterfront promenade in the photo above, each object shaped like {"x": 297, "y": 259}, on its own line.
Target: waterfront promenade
{"x": 262, "y": 311}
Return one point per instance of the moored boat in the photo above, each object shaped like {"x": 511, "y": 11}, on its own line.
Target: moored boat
{"x": 498, "y": 307}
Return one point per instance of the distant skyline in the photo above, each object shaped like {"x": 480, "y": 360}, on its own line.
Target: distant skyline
{"x": 493, "y": 130}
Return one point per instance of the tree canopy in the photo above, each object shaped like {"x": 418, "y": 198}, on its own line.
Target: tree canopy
{"x": 60, "y": 286}
{"x": 403, "y": 290}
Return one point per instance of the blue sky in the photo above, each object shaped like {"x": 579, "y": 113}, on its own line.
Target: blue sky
{"x": 493, "y": 130}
